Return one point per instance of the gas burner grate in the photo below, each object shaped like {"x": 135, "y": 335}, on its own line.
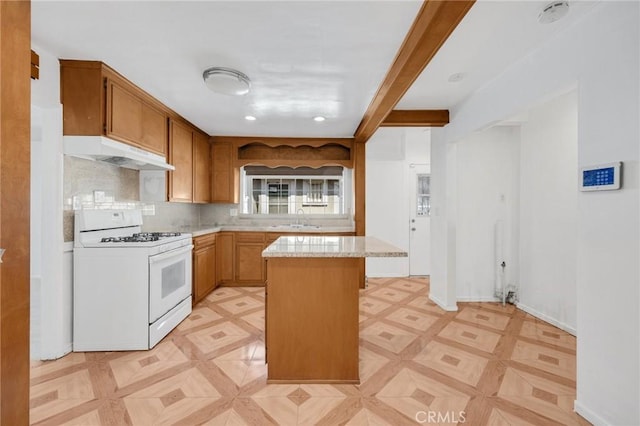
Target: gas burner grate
{"x": 132, "y": 239}
{"x": 157, "y": 234}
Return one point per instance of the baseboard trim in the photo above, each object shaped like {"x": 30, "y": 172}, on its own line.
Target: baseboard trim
{"x": 588, "y": 414}
{"x": 478, "y": 299}
{"x": 388, "y": 275}
{"x": 442, "y": 304}
{"x": 66, "y": 349}
{"x": 544, "y": 317}
{"x": 237, "y": 284}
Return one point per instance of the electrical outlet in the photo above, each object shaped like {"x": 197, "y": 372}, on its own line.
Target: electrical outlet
{"x": 233, "y": 212}
{"x": 99, "y": 196}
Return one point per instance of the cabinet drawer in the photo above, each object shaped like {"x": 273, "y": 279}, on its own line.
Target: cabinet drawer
{"x": 250, "y": 237}
{"x": 204, "y": 241}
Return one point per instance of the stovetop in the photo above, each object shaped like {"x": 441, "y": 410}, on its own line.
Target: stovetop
{"x": 114, "y": 229}
{"x": 140, "y": 237}
{"x": 155, "y": 241}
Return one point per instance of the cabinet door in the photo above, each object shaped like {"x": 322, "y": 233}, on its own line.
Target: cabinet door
{"x": 201, "y": 168}
{"x": 224, "y": 183}
{"x": 181, "y": 157}
{"x": 203, "y": 282}
{"x": 250, "y": 265}
{"x": 204, "y": 277}
{"x": 154, "y": 129}
{"x": 124, "y": 114}
{"x": 224, "y": 258}
{"x": 249, "y": 262}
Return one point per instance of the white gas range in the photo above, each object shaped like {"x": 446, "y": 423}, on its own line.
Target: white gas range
{"x": 130, "y": 289}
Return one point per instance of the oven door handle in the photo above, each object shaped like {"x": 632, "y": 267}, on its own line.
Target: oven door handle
{"x": 160, "y": 257}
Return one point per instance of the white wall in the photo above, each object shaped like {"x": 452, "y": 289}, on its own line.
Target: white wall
{"x": 608, "y": 258}
{"x": 52, "y": 298}
{"x": 487, "y": 187}
{"x": 418, "y": 145}
{"x": 549, "y": 178}
{"x": 442, "y": 288}
{"x": 389, "y": 153}
{"x": 386, "y": 198}
{"x": 601, "y": 54}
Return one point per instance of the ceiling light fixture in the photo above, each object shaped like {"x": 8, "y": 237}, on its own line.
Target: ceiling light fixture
{"x": 226, "y": 81}
{"x": 319, "y": 118}
{"x": 553, "y": 11}
{"x": 249, "y": 118}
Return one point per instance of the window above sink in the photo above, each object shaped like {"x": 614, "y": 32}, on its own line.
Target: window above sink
{"x": 286, "y": 191}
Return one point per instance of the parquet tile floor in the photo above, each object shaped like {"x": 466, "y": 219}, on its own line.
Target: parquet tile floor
{"x": 483, "y": 365}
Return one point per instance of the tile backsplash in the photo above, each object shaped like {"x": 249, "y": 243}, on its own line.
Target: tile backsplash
{"x": 93, "y": 184}
{"x": 171, "y": 217}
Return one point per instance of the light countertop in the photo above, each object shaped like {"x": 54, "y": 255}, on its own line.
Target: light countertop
{"x": 283, "y": 229}
{"x": 329, "y": 246}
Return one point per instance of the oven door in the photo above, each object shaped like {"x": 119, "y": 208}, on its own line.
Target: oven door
{"x": 169, "y": 280}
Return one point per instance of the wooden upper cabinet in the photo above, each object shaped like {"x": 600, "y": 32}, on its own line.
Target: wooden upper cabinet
{"x": 154, "y": 129}
{"x": 82, "y": 95}
{"x": 124, "y": 113}
{"x": 181, "y": 157}
{"x": 99, "y": 101}
{"x": 201, "y": 168}
{"x": 225, "y": 175}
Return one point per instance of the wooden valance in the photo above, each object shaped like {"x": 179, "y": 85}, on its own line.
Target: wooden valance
{"x": 292, "y": 152}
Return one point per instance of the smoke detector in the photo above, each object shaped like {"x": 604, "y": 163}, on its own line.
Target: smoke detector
{"x": 553, "y": 11}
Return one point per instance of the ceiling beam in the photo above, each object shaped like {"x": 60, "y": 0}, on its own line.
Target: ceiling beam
{"x": 435, "y": 21}
{"x": 416, "y": 118}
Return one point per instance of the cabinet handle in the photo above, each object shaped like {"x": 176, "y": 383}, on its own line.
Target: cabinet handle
{"x": 1, "y": 254}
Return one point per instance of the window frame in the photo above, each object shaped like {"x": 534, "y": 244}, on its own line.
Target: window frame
{"x": 345, "y": 195}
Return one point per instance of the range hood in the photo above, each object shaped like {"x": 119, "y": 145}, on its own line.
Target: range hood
{"x": 100, "y": 148}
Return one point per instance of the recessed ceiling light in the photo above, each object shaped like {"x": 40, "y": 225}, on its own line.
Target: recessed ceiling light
{"x": 553, "y": 11}
{"x": 249, "y": 118}
{"x": 226, "y": 81}
{"x": 454, "y": 78}
{"x": 318, "y": 118}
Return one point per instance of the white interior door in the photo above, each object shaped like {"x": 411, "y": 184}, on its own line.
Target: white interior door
{"x": 419, "y": 221}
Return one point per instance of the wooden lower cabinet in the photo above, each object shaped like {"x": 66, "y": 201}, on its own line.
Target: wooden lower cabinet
{"x": 312, "y": 316}
{"x": 239, "y": 261}
{"x": 204, "y": 266}
{"x": 224, "y": 258}
{"x": 249, "y": 263}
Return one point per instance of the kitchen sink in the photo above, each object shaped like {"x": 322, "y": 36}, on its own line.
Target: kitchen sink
{"x": 295, "y": 226}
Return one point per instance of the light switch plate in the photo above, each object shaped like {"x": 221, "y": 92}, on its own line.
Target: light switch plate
{"x": 233, "y": 212}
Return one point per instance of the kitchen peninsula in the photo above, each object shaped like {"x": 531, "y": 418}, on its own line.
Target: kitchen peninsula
{"x": 311, "y": 318}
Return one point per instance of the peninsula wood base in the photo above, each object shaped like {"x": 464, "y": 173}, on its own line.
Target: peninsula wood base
{"x": 311, "y": 320}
